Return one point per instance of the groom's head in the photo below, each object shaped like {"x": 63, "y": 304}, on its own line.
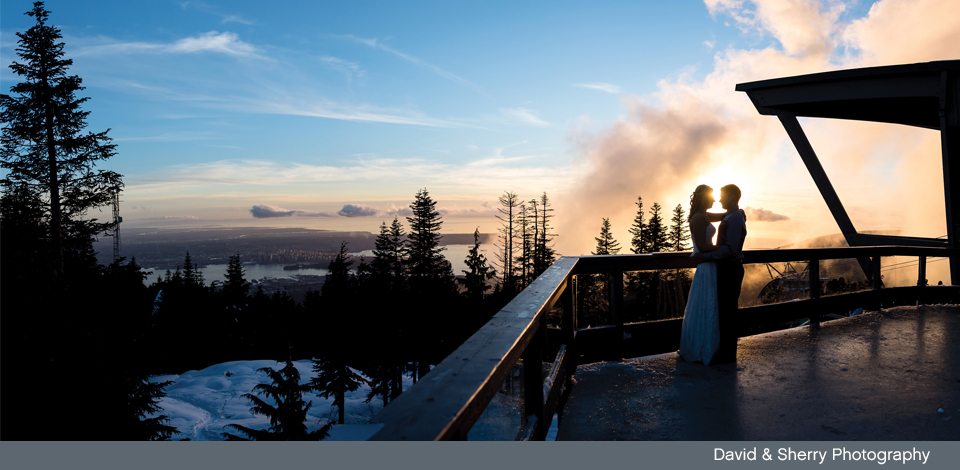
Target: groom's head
{"x": 729, "y": 196}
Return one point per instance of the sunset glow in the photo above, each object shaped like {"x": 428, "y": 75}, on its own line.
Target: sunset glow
{"x": 219, "y": 107}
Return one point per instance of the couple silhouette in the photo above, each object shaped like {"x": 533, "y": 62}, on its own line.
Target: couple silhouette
{"x": 710, "y": 324}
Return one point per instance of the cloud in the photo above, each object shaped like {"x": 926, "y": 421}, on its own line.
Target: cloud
{"x": 223, "y": 43}
{"x": 236, "y": 19}
{"x": 262, "y": 211}
{"x": 354, "y": 210}
{"x": 604, "y": 87}
{"x": 763, "y": 215}
{"x": 350, "y": 69}
{"x": 696, "y": 129}
{"x": 374, "y": 43}
{"x": 525, "y": 116}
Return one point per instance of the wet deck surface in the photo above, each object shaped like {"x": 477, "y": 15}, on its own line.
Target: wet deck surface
{"x": 877, "y": 376}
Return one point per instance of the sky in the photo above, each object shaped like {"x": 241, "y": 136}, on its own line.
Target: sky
{"x": 333, "y": 115}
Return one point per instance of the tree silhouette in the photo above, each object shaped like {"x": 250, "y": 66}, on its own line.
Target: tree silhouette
{"x": 475, "y": 279}
{"x": 657, "y": 240}
{"x": 678, "y": 236}
{"x": 235, "y": 287}
{"x": 638, "y": 230}
{"x": 287, "y": 415}
{"x": 606, "y": 244}
{"x": 544, "y": 255}
{"x": 509, "y": 206}
{"x": 335, "y": 378}
{"x": 428, "y": 269}
{"x": 44, "y": 149}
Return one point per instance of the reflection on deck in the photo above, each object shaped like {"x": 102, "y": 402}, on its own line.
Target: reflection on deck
{"x": 877, "y": 376}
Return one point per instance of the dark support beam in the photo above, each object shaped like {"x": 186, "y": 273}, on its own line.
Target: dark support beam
{"x": 876, "y": 273}
{"x": 922, "y": 272}
{"x": 950, "y": 149}
{"x": 813, "y": 270}
{"x": 809, "y": 157}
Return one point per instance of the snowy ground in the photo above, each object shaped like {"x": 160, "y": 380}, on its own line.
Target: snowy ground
{"x": 200, "y": 403}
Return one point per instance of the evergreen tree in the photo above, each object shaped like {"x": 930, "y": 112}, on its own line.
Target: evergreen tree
{"x": 44, "y": 150}
{"x": 429, "y": 270}
{"x": 235, "y": 288}
{"x": 335, "y": 378}
{"x": 606, "y": 244}
{"x": 544, "y": 254}
{"x": 387, "y": 268}
{"x": 657, "y": 239}
{"x": 337, "y": 283}
{"x": 287, "y": 414}
{"x": 509, "y": 206}
{"x": 398, "y": 253}
{"x": 191, "y": 273}
{"x": 678, "y": 236}
{"x": 524, "y": 261}
{"x": 475, "y": 280}
{"x": 638, "y": 231}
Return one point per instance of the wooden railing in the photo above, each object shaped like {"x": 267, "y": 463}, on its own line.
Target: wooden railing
{"x": 446, "y": 402}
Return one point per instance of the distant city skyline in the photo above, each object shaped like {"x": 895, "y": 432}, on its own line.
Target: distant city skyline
{"x": 320, "y": 115}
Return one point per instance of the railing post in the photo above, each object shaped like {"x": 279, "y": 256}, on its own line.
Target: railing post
{"x": 876, "y": 272}
{"x": 922, "y": 272}
{"x": 813, "y": 270}
{"x": 616, "y": 302}
{"x": 533, "y": 379}
{"x": 567, "y": 304}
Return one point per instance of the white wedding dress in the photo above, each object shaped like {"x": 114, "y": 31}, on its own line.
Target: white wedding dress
{"x": 700, "y": 334}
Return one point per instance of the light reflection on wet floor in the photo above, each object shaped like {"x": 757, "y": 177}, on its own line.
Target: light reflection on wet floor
{"x": 878, "y": 376}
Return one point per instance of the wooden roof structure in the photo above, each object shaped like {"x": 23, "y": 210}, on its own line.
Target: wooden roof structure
{"x": 923, "y": 95}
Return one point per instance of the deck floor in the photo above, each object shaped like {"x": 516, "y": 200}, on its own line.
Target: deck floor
{"x": 877, "y": 376}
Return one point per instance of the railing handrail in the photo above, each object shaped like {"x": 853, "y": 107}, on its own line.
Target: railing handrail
{"x": 447, "y": 401}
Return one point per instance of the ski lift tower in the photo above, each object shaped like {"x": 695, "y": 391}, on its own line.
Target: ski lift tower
{"x": 116, "y": 226}
{"x": 925, "y": 95}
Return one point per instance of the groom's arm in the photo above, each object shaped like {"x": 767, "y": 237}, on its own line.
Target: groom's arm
{"x": 733, "y": 231}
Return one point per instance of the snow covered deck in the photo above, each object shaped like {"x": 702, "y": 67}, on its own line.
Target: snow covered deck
{"x": 882, "y": 375}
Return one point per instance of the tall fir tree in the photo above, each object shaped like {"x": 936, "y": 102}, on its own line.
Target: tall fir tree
{"x": 288, "y": 412}
{"x": 44, "y": 150}
{"x": 235, "y": 287}
{"x": 508, "y": 211}
{"x": 524, "y": 260}
{"x": 335, "y": 378}
{"x": 475, "y": 279}
{"x": 428, "y": 269}
{"x": 678, "y": 237}
{"x": 657, "y": 239}
{"x": 638, "y": 231}
{"x": 606, "y": 244}
{"x": 545, "y": 255}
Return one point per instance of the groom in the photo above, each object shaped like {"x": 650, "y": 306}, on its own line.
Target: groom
{"x": 729, "y": 258}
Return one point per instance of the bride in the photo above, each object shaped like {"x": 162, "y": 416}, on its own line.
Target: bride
{"x": 700, "y": 334}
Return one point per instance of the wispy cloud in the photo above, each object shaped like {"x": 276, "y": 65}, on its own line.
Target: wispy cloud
{"x": 349, "y": 69}
{"x": 236, "y": 19}
{"x": 604, "y": 87}
{"x": 374, "y": 43}
{"x": 222, "y": 43}
{"x": 525, "y": 116}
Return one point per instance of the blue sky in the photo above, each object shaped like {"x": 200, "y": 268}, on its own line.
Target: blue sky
{"x": 217, "y": 107}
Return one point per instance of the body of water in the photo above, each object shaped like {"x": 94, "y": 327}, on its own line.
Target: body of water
{"x": 456, "y": 254}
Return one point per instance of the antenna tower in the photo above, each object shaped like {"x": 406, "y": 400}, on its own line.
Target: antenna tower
{"x": 116, "y": 226}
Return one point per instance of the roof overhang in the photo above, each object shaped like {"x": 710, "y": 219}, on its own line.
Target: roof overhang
{"x": 910, "y": 94}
